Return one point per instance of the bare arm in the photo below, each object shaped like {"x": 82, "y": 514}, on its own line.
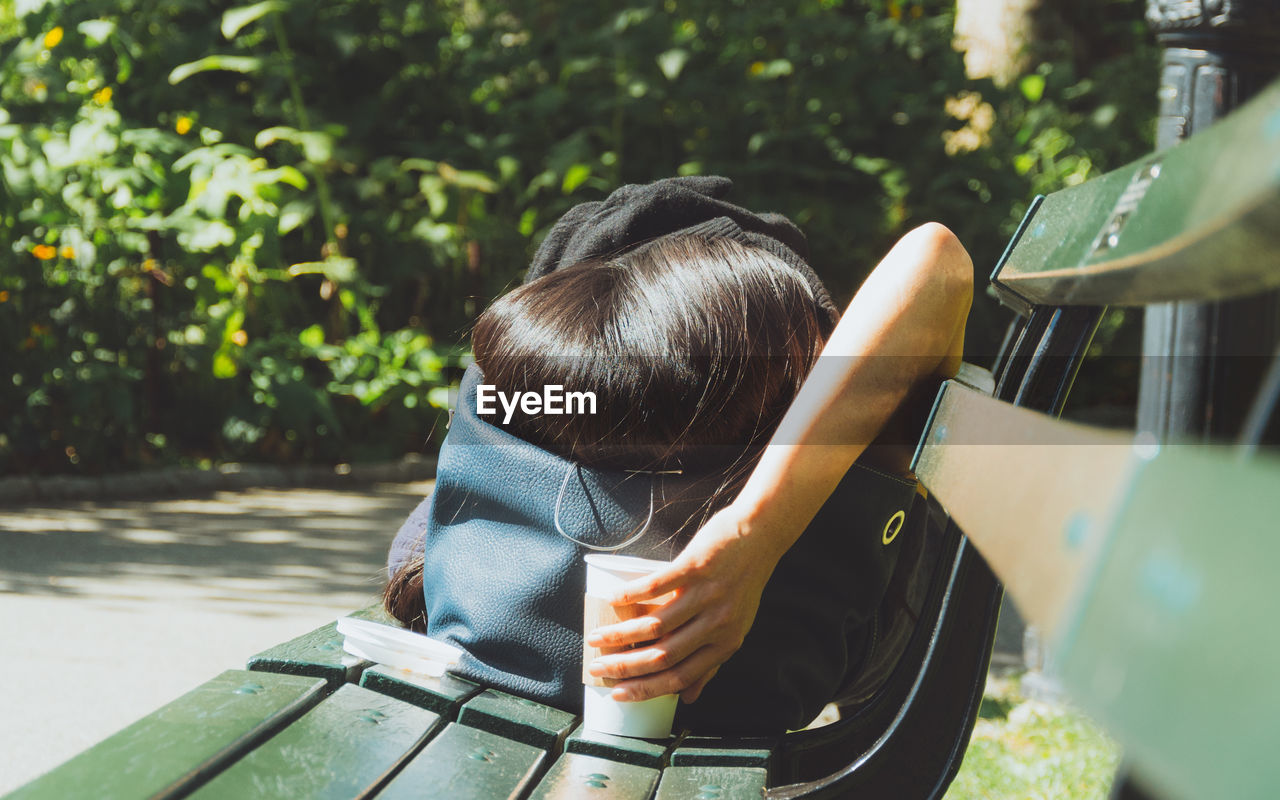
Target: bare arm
{"x": 905, "y": 324}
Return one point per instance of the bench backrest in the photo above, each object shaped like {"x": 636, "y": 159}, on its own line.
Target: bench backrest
{"x": 1149, "y": 563}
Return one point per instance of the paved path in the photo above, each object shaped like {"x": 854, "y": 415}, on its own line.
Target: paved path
{"x": 109, "y": 610}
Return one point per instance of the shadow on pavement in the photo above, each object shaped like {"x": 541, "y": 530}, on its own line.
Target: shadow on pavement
{"x": 242, "y": 547}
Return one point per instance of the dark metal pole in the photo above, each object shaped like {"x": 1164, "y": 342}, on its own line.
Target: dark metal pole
{"x": 1203, "y": 362}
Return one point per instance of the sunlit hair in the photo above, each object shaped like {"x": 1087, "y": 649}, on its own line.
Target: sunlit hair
{"x": 694, "y": 348}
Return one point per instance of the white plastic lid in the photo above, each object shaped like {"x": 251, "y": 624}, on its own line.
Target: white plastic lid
{"x": 396, "y": 647}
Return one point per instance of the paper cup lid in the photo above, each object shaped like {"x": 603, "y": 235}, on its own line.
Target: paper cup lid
{"x": 605, "y": 573}
{"x": 396, "y": 647}
{"x": 624, "y": 564}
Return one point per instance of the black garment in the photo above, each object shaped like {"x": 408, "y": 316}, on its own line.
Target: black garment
{"x": 813, "y": 627}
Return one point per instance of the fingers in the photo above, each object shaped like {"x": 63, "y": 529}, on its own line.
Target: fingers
{"x": 646, "y": 628}
{"x": 632, "y": 631}
{"x": 657, "y": 584}
{"x": 651, "y": 586}
{"x": 684, "y": 675}
{"x": 662, "y": 655}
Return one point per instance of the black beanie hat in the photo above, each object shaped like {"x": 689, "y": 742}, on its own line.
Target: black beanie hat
{"x": 636, "y": 214}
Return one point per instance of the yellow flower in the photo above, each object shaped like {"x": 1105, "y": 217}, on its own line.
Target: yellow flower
{"x": 149, "y": 265}
{"x": 757, "y": 67}
{"x": 103, "y": 96}
{"x": 240, "y": 337}
{"x": 4, "y": 296}
{"x": 182, "y": 126}
{"x": 44, "y": 252}
{"x": 52, "y": 38}
{"x": 68, "y": 251}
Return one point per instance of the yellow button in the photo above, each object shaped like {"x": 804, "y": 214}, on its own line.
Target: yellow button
{"x": 892, "y": 527}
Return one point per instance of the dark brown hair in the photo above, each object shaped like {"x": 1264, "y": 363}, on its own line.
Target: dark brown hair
{"x": 694, "y": 348}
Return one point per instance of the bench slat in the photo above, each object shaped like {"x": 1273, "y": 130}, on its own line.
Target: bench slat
{"x": 1173, "y": 643}
{"x": 215, "y": 723}
{"x": 714, "y": 751}
{"x": 641, "y": 752}
{"x": 444, "y": 695}
{"x": 1153, "y": 568}
{"x": 1189, "y": 223}
{"x": 712, "y": 783}
{"x": 1023, "y": 485}
{"x": 345, "y": 747}
{"x": 464, "y": 763}
{"x": 577, "y": 776}
{"x": 519, "y": 719}
{"x": 317, "y": 654}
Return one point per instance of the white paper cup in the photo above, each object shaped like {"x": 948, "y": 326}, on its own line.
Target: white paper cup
{"x": 606, "y": 574}
{"x": 647, "y": 719}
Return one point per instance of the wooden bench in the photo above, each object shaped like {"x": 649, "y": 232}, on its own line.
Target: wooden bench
{"x": 308, "y": 720}
{"x": 1140, "y": 559}
{"x": 1150, "y": 564}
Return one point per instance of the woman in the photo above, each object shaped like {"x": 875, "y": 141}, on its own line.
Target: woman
{"x": 699, "y": 326}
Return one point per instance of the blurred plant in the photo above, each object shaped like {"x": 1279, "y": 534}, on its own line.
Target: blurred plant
{"x": 261, "y": 231}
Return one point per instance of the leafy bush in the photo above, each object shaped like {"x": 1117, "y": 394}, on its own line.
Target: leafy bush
{"x": 261, "y": 231}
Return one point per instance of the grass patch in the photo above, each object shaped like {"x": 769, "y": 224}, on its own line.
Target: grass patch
{"x": 1029, "y": 750}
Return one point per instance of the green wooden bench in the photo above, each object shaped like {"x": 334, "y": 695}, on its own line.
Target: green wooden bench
{"x": 1141, "y": 560}
{"x": 1151, "y": 564}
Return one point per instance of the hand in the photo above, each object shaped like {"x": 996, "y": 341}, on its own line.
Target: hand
{"x": 717, "y": 581}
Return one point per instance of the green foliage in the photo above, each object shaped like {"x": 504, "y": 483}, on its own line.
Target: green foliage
{"x": 261, "y": 231}
{"x": 1029, "y": 749}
